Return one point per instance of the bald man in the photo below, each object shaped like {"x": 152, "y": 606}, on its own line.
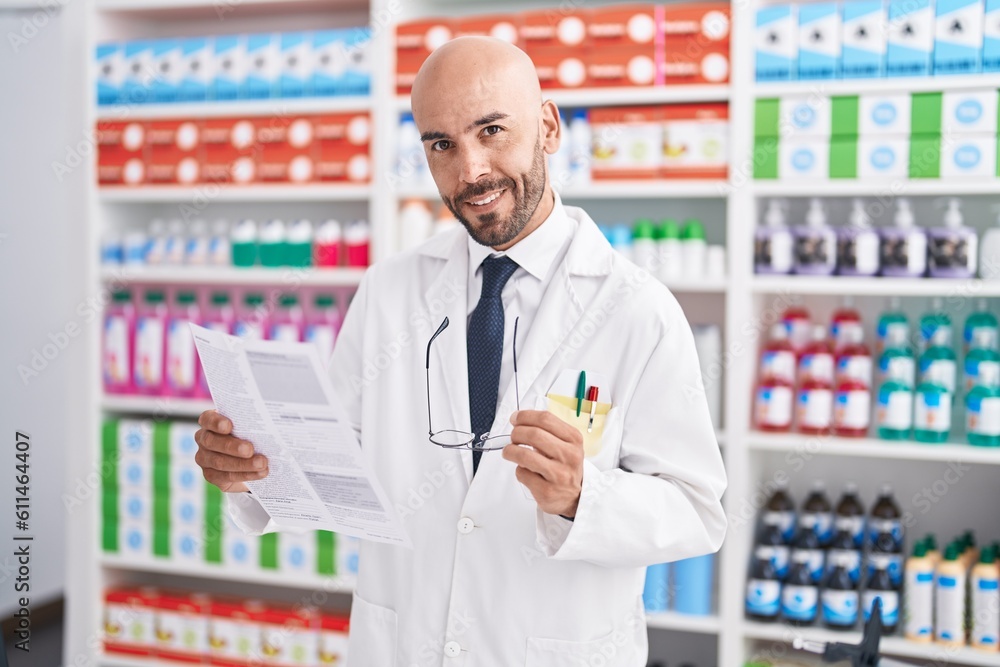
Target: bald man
{"x": 459, "y": 364}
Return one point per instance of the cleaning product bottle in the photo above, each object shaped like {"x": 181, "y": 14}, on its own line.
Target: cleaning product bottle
{"x": 621, "y": 240}
{"x": 273, "y": 244}
{"x": 182, "y": 359}
{"x": 815, "y": 243}
{"x": 840, "y": 597}
{"x": 818, "y": 513}
{"x": 939, "y": 358}
{"x": 952, "y": 250}
{"x": 799, "y": 327}
{"x": 287, "y": 322}
{"x": 932, "y": 408}
{"x": 220, "y": 250}
{"x": 935, "y": 322}
{"x": 176, "y": 243}
{"x": 669, "y": 251}
{"x": 849, "y": 515}
{"x": 243, "y": 241}
{"x": 251, "y": 321}
{"x": 299, "y": 249}
{"x": 774, "y": 546}
{"x": 982, "y": 408}
{"x": 918, "y": 612}
{"x": 989, "y": 251}
{"x": 880, "y": 588}
{"x": 858, "y": 244}
{"x": 814, "y": 407}
{"x": 800, "y": 594}
{"x": 357, "y": 243}
{"x": 854, "y": 360}
{"x": 949, "y": 600}
{"x": 644, "y": 250}
{"x": 852, "y": 408}
{"x": 904, "y": 245}
{"x": 844, "y": 551}
{"x": 816, "y": 361}
{"x": 158, "y": 239}
{"x": 773, "y": 243}
{"x": 763, "y": 595}
{"x": 985, "y": 602}
{"x": 807, "y": 544}
{"x": 326, "y": 246}
{"x": 981, "y": 321}
{"x": 778, "y": 358}
{"x": 773, "y": 404}
{"x": 780, "y": 511}
{"x": 894, "y": 413}
{"x": 885, "y": 534}
{"x": 324, "y": 324}
{"x": 892, "y": 322}
{"x": 896, "y": 361}
{"x": 150, "y": 339}
{"x": 198, "y": 242}
{"x": 118, "y": 344}
{"x": 693, "y": 249}
{"x": 980, "y": 358}
{"x": 845, "y": 319}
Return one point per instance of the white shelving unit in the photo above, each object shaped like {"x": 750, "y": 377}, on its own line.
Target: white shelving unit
{"x": 752, "y": 458}
{"x": 210, "y": 275}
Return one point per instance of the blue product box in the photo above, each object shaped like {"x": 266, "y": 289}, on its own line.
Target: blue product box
{"x": 357, "y": 78}
{"x": 958, "y": 37}
{"x": 110, "y": 70}
{"x": 296, "y": 64}
{"x": 228, "y": 58}
{"x": 139, "y": 73}
{"x": 819, "y": 41}
{"x": 991, "y": 37}
{"x": 195, "y": 69}
{"x": 262, "y": 67}
{"x": 776, "y": 50}
{"x": 863, "y": 38}
{"x": 167, "y": 64}
{"x": 910, "y": 38}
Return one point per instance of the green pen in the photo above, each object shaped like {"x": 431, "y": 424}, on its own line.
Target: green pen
{"x": 581, "y": 390}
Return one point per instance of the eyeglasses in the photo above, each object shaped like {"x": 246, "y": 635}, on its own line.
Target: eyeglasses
{"x": 455, "y": 438}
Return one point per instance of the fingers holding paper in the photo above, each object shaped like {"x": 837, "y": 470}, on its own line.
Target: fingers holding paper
{"x": 551, "y": 465}
{"x": 225, "y": 460}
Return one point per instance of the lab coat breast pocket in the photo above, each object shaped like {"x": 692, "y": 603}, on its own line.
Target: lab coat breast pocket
{"x": 373, "y": 629}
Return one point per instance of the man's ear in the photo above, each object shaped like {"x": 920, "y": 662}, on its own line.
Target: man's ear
{"x": 551, "y": 127}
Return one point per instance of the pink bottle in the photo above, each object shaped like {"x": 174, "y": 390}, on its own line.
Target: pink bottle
{"x": 251, "y": 320}
{"x": 814, "y": 408}
{"x": 356, "y": 242}
{"x": 843, "y": 321}
{"x": 797, "y": 322}
{"x": 778, "y": 358}
{"x": 150, "y": 343}
{"x": 217, "y": 316}
{"x": 854, "y": 360}
{"x": 288, "y": 322}
{"x": 324, "y": 324}
{"x": 119, "y": 344}
{"x": 182, "y": 358}
{"x": 326, "y": 244}
{"x": 816, "y": 362}
{"x": 852, "y": 408}
{"x": 773, "y": 404}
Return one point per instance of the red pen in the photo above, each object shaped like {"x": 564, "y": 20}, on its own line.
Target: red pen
{"x": 592, "y": 397}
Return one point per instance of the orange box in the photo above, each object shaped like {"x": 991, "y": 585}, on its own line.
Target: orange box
{"x": 501, "y": 26}
{"x": 627, "y": 142}
{"x": 624, "y": 25}
{"x": 696, "y": 43}
{"x": 174, "y": 152}
{"x": 423, "y": 36}
{"x": 182, "y": 627}
{"x": 121, "y": 153}
{"x": 229, "y": 147}
{"x": 621, "y": 66}
{"x": 695, "y": 141}
{"x": 234, "y": 637}
{"x": 343, "y": 162}
{"x": 556, "y": 27}
{"x": 129, "y": 621}
{"x": 352, "y": 128}
{"x": 407, "y": 66}
{"x": 559, "y": 67}
{"x": 286, "y": 149}
{"x": 707, "y": 23}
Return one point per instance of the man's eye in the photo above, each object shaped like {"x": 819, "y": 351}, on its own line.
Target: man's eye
{"x": 440, "y": 145}
{"x": 492, "y": 129}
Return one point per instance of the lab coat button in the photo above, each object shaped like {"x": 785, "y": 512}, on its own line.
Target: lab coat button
{"x": 452, "y": 649}
{"x": 465, "y": 526}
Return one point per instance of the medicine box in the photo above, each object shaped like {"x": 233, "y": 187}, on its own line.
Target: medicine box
{"x": 358, "y": 50}
{"x": 958, "y": 36}
{"x": 628, "y": 142}
{"x": 238, "y": 550}
{"x": 819, "y": 41}
{"x": 333, "y": 639}
{"x": 776, "y": 43}
{"x": 129, "y": 626}
{"x": 695, "y": 43}
{"x": 969, "y": 111}
{"x": 164, "y": 86}
{"x": 262, "y": 66}
{"x": 884, "y": 115}
{"x": 804, "y": 158}
{"x": 562, "y": 27}
{"x": 228, "y": 66}
{"x": 296, "y": 64}
{"x": 631, "y": 25}
{"x": 499, "y": 26}
{"x": 297, "y": 552}
{"x": 139, "y": 72}
{"x": 195, "y": 76}
{"x": 883, "y": 157}
{"x": 802, "y": 116}
{"x": 864, "y": 39}
{"x": 695, "y": 141}
{"x": 347, "y": 548}
{"x": 965, "y": 156}
{"x": 910, "y": 42}
{"x": 558, "y": 67}
{"x": 174, "y": 150}
{"x": 414, "y": 42}
{"x": 182, "y": 626}
{"x": 620, "y": 67}
{"x": 991, "y": 37}
{"x": 110, "y": 73}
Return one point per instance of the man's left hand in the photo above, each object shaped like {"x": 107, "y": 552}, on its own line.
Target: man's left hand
{"x": 552, "y": 468}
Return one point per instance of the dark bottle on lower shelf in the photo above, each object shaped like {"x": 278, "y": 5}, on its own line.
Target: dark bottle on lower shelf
{"x": 763, "y": 595}
{"x": 799, "y": 595}
{"x": 880, "y": 587}
{"x": 840, "y": 598}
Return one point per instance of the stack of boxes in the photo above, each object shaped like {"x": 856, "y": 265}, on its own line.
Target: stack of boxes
{"x": 882, "y": 136}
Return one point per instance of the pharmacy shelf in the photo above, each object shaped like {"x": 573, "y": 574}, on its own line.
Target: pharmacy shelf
{"x": 217, "y": 10}
{"x": 840, "y": 285}
{"x": 613, "y": 190}
{"x": 222, "y": 275}
{"x": 893, "y": 646}
{"x": 609, "y": 97}
{"x": 828, "y": 445}
{"x": 283, "y": 108}
{"x": 704, "y": 286}
{"x": 885, "y": 190}
{"x": 229, "y": 192}
{"x": 342, "y": 585}
{"x": 112, "y": 660}
{"x": 877, "y": 86}
{"x": 157, "y": 406}
{"x": 671, "y": 620}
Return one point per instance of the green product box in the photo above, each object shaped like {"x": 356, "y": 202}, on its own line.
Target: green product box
{"x": 844, "y": 157}
{"x": 925, "y": 156}
{"x": 844, "y": 121}
{"x": 214, "y": 523}
{"x": 325, "y": 552}
{"x": 765, "y": 158}
{"x": 766, "y": 117}
{"x": 925, "y": 114}
{"x": 269, "y": 551}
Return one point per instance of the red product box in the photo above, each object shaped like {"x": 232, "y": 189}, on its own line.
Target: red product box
{"x": 627, "y": 142}
{"x": 559, "y": 67}
{"x": 624, "y": 25}
{"x": 121, "y": 153}
{"x": 129, "y": 621}
{"x": 229, "y": 148}
{"x": 556, "y": 27}
{"x": 174, "y": 152}
{"x": 621, "y": 66}
{"x": 695, "y": 141}
{"x": 342, "y": 162}
{"x": 407, "y": 66}
{"x": 286, "y": 149}
{"x": 182, "y": 627}
{"x": 234, "y": 637}
{"x": 696, "y": 43}
{"x": 501, "y": 26}
{"x": 414, "y": 42}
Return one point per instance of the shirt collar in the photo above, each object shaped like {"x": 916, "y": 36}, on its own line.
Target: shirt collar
{"x": 536, "y": 252}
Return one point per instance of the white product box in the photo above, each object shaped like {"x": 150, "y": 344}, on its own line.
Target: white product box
{"x": 991, "y": 37}
{"x": 262, "y": 66}
{"x": 969, "y": 112}
{"x": 884, "y": 114}
{"x": 135, "y": 453}
{"x": 135, "y": 475}
{"x": 181, "y": 632}
{"x": 239, "y": 550}
{"x": 110, "y": 73}
{"x": 182, "y": 443}
{"x": 297, "y": 552}
{"x": 187, "y": 510}
{"x": 776, "y": 42}
{"x": 139, "y": 72}
{"x": 333, "y": 646}
{"x": 910, "y": 41}
{"x": 187, "y": 480}
{"x": 968, "y": 156}
{"x": 883, "y": 157}
{"x": 329, "y": 62}
{"x": 296, "y": 64}
{"x": 804, "y": 158}
{"x": 187, "y": 545}
{"x": 819, "y": 41}
{"x": 228, "y": 66}
{"x": 864, "y": 39}
{"x": 346, "y": 555}
{"x": 195, "y": 69}
{"x": 808, "y": 116}
{"x": 167, "y": 63}
{"x": 958, "y": 36}
{"x": 135, "y": 538}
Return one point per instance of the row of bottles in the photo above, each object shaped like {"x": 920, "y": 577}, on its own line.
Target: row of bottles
{"x": 670, "y": 250}
{"x": 859, "y": 249}
{"x": 244, "y": 243}
{"x": 148, "y": 348}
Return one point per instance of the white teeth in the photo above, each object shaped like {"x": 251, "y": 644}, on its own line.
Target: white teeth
{"x": 484, "y": 202}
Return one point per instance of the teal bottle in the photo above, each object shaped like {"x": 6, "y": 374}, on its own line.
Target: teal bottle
{"x": 936, "y": 322}
{"x": 893, "y": 327}
{"x": 939, "y": 360}
{"x": 981, "y": 328}
{"x": 979, "y": 361}
{"x": 897, "y": 363}
{"x": 932, "y": 408}
{"x": 894, "y": 412}
{"x": 982, "y": 409}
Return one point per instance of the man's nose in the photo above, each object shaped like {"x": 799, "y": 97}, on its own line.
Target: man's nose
{"x": 475, "y": 164}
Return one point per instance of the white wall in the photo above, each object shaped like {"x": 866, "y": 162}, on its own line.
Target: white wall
{"x": 42, "y": 103}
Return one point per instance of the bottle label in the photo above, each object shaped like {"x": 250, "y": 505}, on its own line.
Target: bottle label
{"x": 930, "y": 329}
{"x": 853, "y": 409}
{"x": 918, "y": 619}
{"x": 763, "y": 597}
{"x": 985, "y": 612}
{"x": 950, "y": 609}
{"x": 932, "y": 412}
{"x": 249, "y": 329}
{"x": 785, "y": 521}
{"x": 987, "y": 336}
{"x": 773, "y": 252}
{"x": 950, "y": 252}
{"x": 890, "y": 605}
{"x": 777, "y": 554}
{"x": 893, "y": 331}
{"x": 778, "y": 364}
{"x": 842, "y": 331}
{"x": 820, "y": 522}
{"x": 891, "y": 527}
{"x": 815, "y": 561}
{"x": 286, "y": 332}
{"x": 774, "y": 406}
{"x": 840, "y": 607}
{"x": 799, "y": 603}
{"x": 799, "y": 332}
{"x": 181, "y": 359}
{"x": 941, "y": 368}
{"x": 117, "y": 364}
{"x": 855, "y": 367}
{"x": 901, "y": 369}
{"x": 817, "y": 367}
{"x": 891, "y": 563}
{"x": 848, "y": 559}
{"x": 324, "y": 336}
{"x": 149, "y": 352}
{"x": 976, "y": 369}
{"x": 853, "y": 525}
{"x": 815, "y": 250}
{"x": 815, "y": 409}
{"x": 895, "y": 409}
{"x": 983, "y": 416}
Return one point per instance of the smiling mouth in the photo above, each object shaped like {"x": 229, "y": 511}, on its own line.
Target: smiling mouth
{"x": 485, "y": 200}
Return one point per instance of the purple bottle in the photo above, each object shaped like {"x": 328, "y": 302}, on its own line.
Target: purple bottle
{"x": 952, "y": 249}
{"x": 815, "y": 243}
{"x": 857, "y": 245}
{"x": 773, "y": 244}
{"x": 904, "y": 245}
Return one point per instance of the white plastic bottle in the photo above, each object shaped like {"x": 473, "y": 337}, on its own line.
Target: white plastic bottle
{"x": 410, "y": 161}
{"x": 156, "y": 249}
{"x": 815, "y": 243}
{"x": 176, "y": 243}
{"x": 918, "y": 613}
{"x": 858, "y": 244}
{"x": 220, "y": 251}
{"x": 198, "y": 243}
{"x": 949, "y": 600}
{"x": 904, "y": 245}
{"x": 989, "y": 251}
{"x": 581, "y": 138}
{"x": 415, "y": 222}
{"x": 773, "y": 244}
{"x": 984, "y": 597}
{"x": 952, "y": 250}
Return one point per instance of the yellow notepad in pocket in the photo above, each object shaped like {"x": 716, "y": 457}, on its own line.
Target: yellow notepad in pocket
{"x": 564, "y": 407}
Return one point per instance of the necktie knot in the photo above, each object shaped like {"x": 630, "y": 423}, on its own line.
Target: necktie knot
{"x": 496, "y": 272}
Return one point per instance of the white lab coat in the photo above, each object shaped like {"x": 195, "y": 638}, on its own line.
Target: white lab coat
{"x": 492, "y": 580}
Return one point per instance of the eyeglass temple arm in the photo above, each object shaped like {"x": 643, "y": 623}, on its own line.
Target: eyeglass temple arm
{"x": 427, "y": 374}
{"x": 517, "y": 390}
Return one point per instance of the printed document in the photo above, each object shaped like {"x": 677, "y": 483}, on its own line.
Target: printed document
{"x": 279, "y": 397}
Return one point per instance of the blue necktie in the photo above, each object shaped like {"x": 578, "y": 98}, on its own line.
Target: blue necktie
{"x": 484, "y": 347}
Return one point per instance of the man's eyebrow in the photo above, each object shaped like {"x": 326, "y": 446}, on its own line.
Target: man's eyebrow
{"x": 433, "y": 136}
{"x": 479, "y": 122}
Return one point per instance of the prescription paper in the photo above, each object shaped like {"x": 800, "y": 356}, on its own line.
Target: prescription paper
{"x": 279, "y": 397}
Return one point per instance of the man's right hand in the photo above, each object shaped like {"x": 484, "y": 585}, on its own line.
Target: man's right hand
{"x": 225, "y": 460}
